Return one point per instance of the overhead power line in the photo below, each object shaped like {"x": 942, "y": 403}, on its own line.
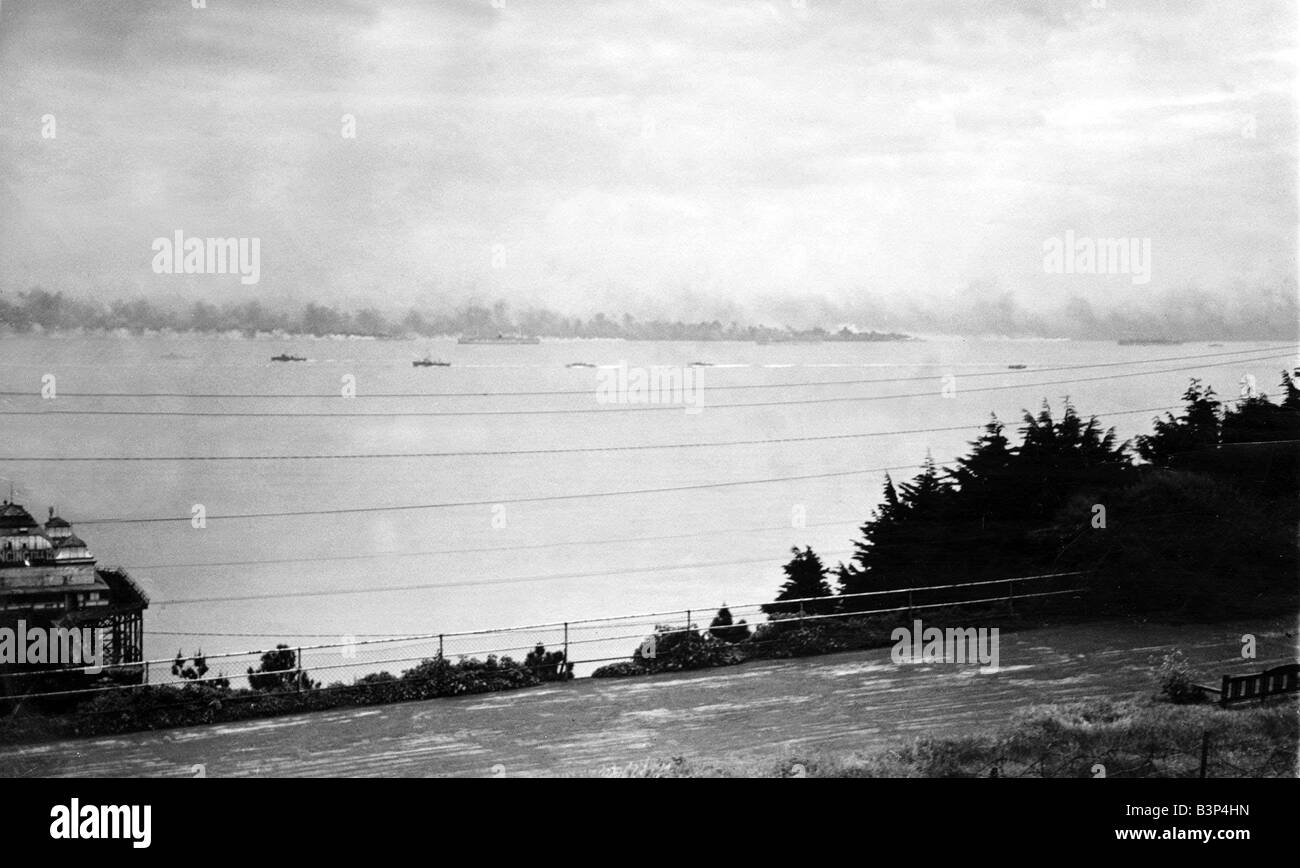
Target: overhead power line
{"x": 595, "y": 574}
{"x": 496, "y": 500}
{"x": 475, "y": 583}
{"x": 761, "y": 441}
{"x": 532, "y": 499}
{"x": 982, "y": 535}
{"x": 491, "y": 549}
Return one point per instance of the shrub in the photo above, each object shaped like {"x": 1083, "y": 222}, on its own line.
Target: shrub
{"x": 278, "y": 671}
{"x": 1173, "y": 678}
{"x": 952, "y": 757}
{"x": 550, "y": 666}
{"x": 788, "y": 639}
{"x": 437, "y": 676}
{"x": 790, "y": 636}
{"x": 621, "y": 669}
{"x": 673, "y": 649}
{"x": 275, "y": 692}
{"x": 195, "y": 668}
{"x": 722, "y": 627}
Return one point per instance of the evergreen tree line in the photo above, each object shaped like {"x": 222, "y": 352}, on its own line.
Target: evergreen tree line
{"x": 1198, "y": 516}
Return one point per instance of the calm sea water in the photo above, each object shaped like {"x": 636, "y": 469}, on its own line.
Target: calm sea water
{"x": 504, "y": 561}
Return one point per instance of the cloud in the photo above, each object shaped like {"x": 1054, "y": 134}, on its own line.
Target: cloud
{"x": 711, "y": 155}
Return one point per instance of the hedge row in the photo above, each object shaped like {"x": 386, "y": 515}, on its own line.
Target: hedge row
{"x": 676, "y": 650}
{"x": 165, "y": 706}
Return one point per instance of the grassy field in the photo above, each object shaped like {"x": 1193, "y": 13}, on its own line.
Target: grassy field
{"x": 1131, "y": 738}
{"x": 854, "y": 712}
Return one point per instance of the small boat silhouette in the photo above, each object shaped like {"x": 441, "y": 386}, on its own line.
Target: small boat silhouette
{"x": 427, "y": 362}
{"x": 579, "y": 365}
{"x": 1016, "y": 367}
{"x": 701, "y": 364}
{"x": 285, "y": 357}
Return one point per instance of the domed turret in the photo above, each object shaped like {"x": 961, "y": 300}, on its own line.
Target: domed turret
{"x": 57, "y": 528}
{"x": 15, "y": 520}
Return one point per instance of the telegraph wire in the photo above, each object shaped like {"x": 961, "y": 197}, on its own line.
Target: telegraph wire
{"x": 493, "y": 501}
{"x": 497, "y": 500}
{"x": 493, "y": 453}
{"x": 476, "y": 583}
{"x": 490, "y": 549}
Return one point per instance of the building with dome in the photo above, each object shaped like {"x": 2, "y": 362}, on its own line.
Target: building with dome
{"x": 49, "y": 578}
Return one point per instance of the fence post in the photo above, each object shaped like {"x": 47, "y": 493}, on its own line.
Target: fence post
{"x": 566, "y": 643}
{"x": 1011, "y": 595}
{"x": 298, "y": 677}
{"x": 1205, "y": 750}
{"x": 1223, "y": 692}
{"x": 438, "y": 673}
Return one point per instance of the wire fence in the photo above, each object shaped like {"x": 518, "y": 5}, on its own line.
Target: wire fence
{"x": 1192, "y": 753}
{"x": 551, "y": 649}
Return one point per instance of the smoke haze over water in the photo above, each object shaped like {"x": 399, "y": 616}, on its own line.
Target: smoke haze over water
{"x": 821, "y": 163}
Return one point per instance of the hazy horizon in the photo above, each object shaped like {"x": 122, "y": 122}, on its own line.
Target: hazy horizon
{"x": 802, "y": 163}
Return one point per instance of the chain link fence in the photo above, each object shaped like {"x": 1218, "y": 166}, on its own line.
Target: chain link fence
{"x": 551, "y": 651}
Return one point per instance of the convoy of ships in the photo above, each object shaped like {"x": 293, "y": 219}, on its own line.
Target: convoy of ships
{"x": 790, "y": 336}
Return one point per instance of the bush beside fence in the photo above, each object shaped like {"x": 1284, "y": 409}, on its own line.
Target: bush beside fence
{"x": 284, "y": 682}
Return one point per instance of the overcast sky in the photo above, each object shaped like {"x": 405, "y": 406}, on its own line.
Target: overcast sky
{"x": 653, "y": 156}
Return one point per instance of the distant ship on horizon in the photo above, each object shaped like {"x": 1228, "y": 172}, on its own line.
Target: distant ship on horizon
{"x": 501, "y": 338}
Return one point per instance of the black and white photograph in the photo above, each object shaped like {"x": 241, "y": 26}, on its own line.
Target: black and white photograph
{"x": 627, "y": 389}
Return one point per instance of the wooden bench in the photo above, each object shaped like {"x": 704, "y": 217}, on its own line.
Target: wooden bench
{"x": 1257, "y": 685}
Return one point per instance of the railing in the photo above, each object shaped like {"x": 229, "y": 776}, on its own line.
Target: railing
{"x": 585, "y": 643}
{"x": 115, "y": 575}
{"x": 1257, "y": 685}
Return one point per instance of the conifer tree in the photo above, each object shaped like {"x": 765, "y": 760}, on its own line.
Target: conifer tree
{"x": 805, "y": 577}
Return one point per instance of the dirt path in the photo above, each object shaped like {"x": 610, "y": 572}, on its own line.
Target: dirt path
{"x": 851, "y": 701}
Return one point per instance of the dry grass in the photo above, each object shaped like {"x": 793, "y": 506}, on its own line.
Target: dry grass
{"x": 1135, "y": 738}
